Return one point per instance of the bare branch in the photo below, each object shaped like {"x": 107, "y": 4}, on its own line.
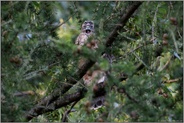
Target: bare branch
{"x": 173, "y": 80}
{"x": 24, "y": 93}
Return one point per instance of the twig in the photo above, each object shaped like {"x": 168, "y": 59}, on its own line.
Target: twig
{"x": 179, "y": 34}
{"x": 174, "y": 40}
{"x": 173, "y": 80}
{"x": 24, "y": 93}
{"x": 60, "y": 24}
{"x": 122, "y": 90}
{"x": 166, "y": 64}
{"x": 39, "y": 72}
{"x": 64, "y": 118}
{"x": 4, "y": 23}
{"x": 141, "y": 61}
{"x": 154, "y": 20}
{"x": 129, "y": 52}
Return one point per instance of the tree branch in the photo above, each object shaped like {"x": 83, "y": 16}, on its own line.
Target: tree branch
{"x": 52, "y": 100}
{"x": 60, "y": 102}
{"x": 64, "y": 118}
{"x": 122, "y": 90}
{"x": 122, "y": 23}
{"x": 54, "y": 28}
{"x": 173, "y": 80}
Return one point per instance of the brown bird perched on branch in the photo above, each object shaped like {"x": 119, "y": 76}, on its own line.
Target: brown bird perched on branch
{"x": 94, "y": 78}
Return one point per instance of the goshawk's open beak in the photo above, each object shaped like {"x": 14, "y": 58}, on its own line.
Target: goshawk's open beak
{"x": 88, "y": 30}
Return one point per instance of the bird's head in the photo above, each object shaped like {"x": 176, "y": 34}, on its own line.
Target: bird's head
{"x": 88, "y": 27}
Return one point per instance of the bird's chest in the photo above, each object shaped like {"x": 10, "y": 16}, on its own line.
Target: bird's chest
{"x": 83, "y": 38}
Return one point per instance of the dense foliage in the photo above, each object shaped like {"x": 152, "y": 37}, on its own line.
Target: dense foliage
{"x": 38, "y": 54}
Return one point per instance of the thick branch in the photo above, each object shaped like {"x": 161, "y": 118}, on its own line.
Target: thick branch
{"x": 123, "y": 21}
{"x": 67, "y": 85}
{"x": 52, "y": 100}
{"x": 60, "y": 102}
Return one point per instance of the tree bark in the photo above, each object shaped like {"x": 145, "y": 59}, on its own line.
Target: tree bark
{"x": 58, "y": 103}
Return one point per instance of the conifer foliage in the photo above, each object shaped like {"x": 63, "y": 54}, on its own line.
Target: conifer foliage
{"x": 40, "y": 77}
